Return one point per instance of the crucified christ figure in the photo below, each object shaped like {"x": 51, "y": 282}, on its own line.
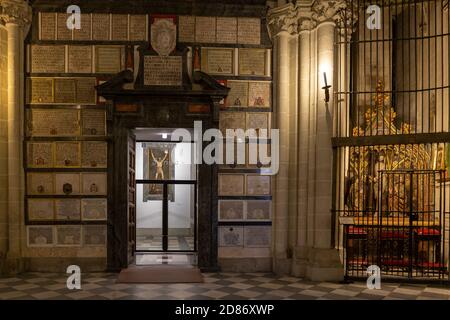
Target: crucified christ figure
{"x": 159, "y": 165}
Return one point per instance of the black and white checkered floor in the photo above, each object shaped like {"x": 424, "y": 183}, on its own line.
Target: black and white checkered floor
{"x": 235, "y": 286}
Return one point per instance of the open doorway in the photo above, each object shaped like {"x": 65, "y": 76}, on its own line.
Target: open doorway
{"x": 166, "y": 198}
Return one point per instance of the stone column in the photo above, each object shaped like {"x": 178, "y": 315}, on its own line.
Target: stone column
{"x": 282, "y": 25}
{"x": 16, "y": 14}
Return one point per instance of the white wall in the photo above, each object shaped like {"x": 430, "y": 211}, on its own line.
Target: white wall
{"x": 149, "y": 214}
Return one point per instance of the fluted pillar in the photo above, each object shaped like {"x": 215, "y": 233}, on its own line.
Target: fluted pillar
{"x": 16, "y": 15}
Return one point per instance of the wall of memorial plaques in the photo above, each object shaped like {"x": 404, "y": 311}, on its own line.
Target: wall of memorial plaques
{"x": 66, "y": 172}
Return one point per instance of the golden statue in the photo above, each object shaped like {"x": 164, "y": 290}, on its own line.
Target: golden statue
{"x": 159, "y": 164}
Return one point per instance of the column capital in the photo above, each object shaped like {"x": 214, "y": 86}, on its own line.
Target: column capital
{"x": 344, "y": 13}
{"x": 283, "y": 18}
{"x": 15, "y": 12}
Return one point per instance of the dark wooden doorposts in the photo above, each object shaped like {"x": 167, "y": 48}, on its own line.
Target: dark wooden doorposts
{"x": 129, "y": 109}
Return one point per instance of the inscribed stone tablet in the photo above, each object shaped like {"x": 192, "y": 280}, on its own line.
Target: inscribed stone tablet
{"x": 94, "y": 183}
{"x": 232, "y": 236}
{"x": 67, "y": 183}
{"x": 41, "y": 90}
{"x": 86, "y": 28}
{"x": 67, "y": 236}
{"x": 85, "y": 91}
{"x": 249, "y": 31}
{"x": 93, "y": 209}
{"x": 258, "y": 185}
{"x": 205, "y": 29}
{"x": 41, "y": 209}
{"x": 217, "y": 61}
{"x": 108, "y": 59}
{"x": 50, "y": 122}
{"x": 93, "y": 122}
{"x": 231, "y": 210}
{"x": 94, "y": 235}
{"x": 186, "y": 28}
{"x": 48, "y": 59}
{"x": 238, "y": 95}
{"x": 47, "y": 26}
{"x": 226, "y": 30}
{"x": 40, "y": 236}
{"x": 252, "y": 62}
{"x": 162, "y": 71}
{"x": 67, "y": 154}
{"x": 138, "y": 27}
{"x": 258, "y": 121}
{"x": 257, "y": 236}
{"x": 40, "y": 183}
{"x": 94, "y": 154}
{"x": 259, "y": 94}
{"x": 258, "y": 210}
{"x": 62, "y": 32}
{"x": 231, "y": 184}
{"x": 40, "y": 154}
{"x": 80, "y": 59}
{"x": 100, "y": 26}
{"x": 120, "y": 27}
{"x": 68, "y": 209}
{"x": 65, "y": 90}
{"x": 231, "y": 120}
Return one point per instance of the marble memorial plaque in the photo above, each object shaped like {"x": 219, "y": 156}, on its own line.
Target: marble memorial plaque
{"x": 94, "y": 154}
{"x": 108, "y": 59}
{"x": 258, "y": 210}
{"x": 217, "y": 61}
{"x": 40, "y": 236}
{"x": 41, "y": 209}
{"x": 94, "y": 183}
{"x": 226, "y": 30}
{"x": 138, "y": 27}
{"x": 93, "y": 122}
{"x": 119, "y": 27}
{"x": 67, "y": 236}
{"x": 258, "y": 185}
{"x": 231, "y": 210}
{"x": 249, "y": 31}
{"x": 67, "y": 184}
{"x": 162, "y": 71}
{"x": 51, "y": 122}
{"x": 93, "y": 209}
{"x": 252, "y": 62}
{"x": 65, "y": 90}
{"x": 48, "y": 59}
{"x": 41, "y": 90}
{"x": 257, "y": 236}
{"x": 40, "y": 183}
{"x": 85, "y": 91}
{"x": 259, "y": 95}
{"x": 40, "y": 154}
{"x": 85, "y": 32}
{"x": 231, "y": 236}
{"x": 231, "y": 120}
{"x": 47, "y": 26}
{"x": 100, "y": 27}
{"x": 80, "y": 59}
{"x": 67, "y": 154}
{"x": 258, "y": 121}
{"x": 68, "y": 209}
{"x": 205, "y": 29}
{"x": 231, "y": 184}
{"x": 186, "y": 28}
{"x": 238, "y": 95}
{"x": 62, "y": 32}
{"x": 94, "y": 235}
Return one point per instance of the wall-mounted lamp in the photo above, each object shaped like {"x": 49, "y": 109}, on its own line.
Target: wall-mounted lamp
{"x": 164, "y": 135}
{"x": 326, "y": 88}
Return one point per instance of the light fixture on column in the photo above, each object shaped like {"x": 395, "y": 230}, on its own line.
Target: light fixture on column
{"x": 326, "y": 88}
